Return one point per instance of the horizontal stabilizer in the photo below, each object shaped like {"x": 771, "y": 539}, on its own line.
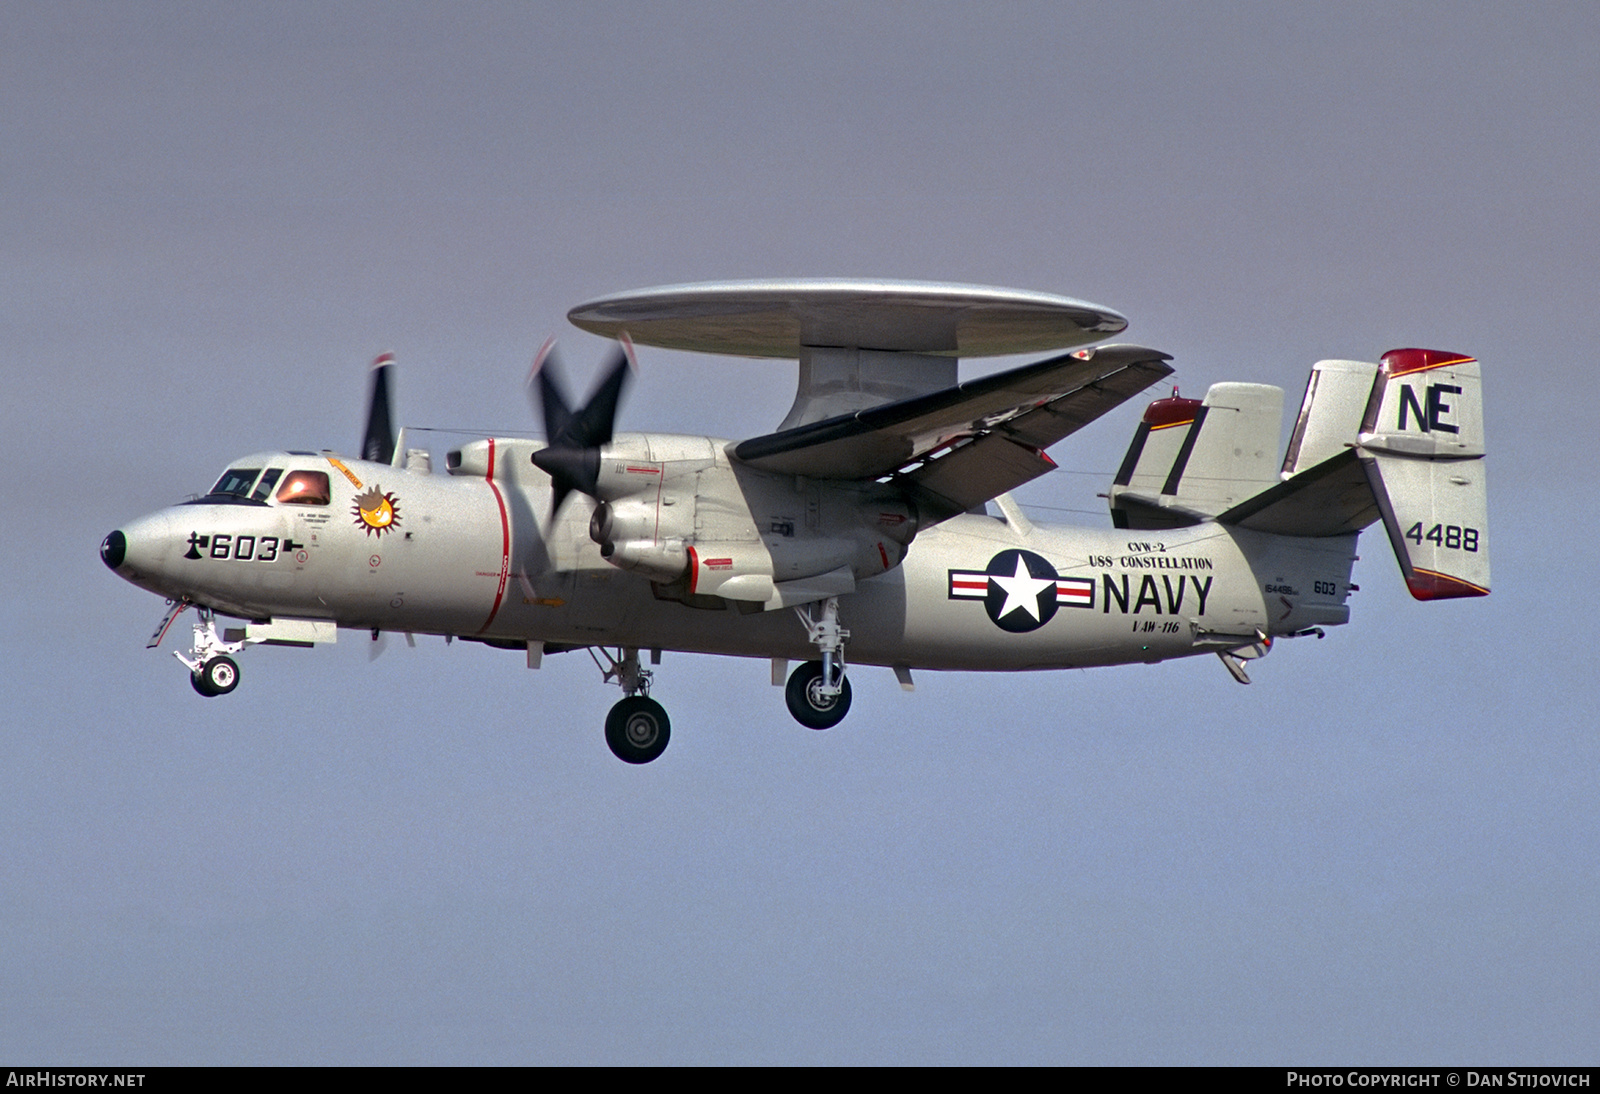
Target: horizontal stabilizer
{"x": 1333, "y": 498}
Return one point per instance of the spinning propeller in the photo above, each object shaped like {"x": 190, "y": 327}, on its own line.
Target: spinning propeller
{"x": 572, "y": 458}
{"x": 377, "y": 444}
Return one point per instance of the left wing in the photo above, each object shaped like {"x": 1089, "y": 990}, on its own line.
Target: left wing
{"x": 972, "y": 441}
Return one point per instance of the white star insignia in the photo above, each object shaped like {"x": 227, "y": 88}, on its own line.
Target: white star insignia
{"x": 1022, "y": 590}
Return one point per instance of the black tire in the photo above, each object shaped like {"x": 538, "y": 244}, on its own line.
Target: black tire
{"x": 220, "y": 675}
{"x": 200, "y": 685}
{"x": 810, "y": 708}
{"x": 637, "y": 729}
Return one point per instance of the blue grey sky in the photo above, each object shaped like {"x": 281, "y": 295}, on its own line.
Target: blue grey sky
{"x": 212, "y": 217}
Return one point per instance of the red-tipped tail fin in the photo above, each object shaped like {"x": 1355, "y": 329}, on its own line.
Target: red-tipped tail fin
{"x": 1422, "y": 446}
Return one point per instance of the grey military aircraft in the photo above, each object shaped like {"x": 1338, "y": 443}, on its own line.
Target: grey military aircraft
{"x": 875, "y": 519}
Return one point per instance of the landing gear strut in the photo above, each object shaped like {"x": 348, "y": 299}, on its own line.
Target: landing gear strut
{"x": 212, "y": 671}
{"x": 818, "y": 694}
{"x": 637, "y": 728}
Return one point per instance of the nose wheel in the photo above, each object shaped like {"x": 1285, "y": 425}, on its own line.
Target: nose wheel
{"x": 212, "y": 671}
{"x": 217, "y": 676}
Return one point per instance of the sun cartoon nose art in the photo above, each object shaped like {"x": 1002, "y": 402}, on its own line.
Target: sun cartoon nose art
{"x": 376, "y": 512}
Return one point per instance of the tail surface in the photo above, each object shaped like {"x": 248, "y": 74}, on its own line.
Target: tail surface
{"x": 1422, "y": 446}
{"x": 1399, "y": 441}
{"x": 1193, "y": 459}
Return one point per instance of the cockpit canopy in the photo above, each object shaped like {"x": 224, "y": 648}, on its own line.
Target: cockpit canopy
{"x": 255, "y": 486}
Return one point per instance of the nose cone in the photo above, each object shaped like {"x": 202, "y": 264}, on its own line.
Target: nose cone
{"x": 139, "y": 550}
{"x": 113, "y": 549}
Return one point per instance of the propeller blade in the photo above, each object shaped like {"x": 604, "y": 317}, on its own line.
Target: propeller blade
{"x": 377, "y": 444}
{"x": 558, "y": 416}
{"x": 574, "y": 437}
{"x": 546, "y": 392}
{"x": 593, "y": 424}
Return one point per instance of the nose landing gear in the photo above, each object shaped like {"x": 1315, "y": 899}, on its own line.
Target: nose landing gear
{"x": 212, "y": 671}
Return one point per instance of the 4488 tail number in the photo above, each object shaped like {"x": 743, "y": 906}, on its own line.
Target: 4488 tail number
{"x": 1451, "y": 536}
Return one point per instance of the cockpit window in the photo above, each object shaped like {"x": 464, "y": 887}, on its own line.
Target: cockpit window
{"x": 304, "y": 488}
{"x": 236, "y": 482}
{"x": 268, "y": 481}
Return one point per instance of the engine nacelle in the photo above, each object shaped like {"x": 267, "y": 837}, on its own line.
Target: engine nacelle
{"x": 676, "y": 511}
{"x": 629, "y": 519}
{"x": 661, "y": 561}
{"x": 735, "y": 571}
{"x": 629, "y": 534}
{"x": 865, "y": 530}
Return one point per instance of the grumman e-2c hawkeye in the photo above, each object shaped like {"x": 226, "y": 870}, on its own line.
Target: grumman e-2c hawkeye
{"x": 860, "y": 525}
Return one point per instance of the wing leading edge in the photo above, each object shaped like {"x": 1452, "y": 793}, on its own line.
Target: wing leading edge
{"x": 958, "y": 447}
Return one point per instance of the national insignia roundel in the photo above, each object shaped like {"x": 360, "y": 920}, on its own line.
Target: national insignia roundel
{"x": 1018, "y": 590}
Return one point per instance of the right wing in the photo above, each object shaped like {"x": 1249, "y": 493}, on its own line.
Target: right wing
{"x": 969, "y": 442}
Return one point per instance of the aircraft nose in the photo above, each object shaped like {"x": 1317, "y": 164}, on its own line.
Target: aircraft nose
{"x": 113, "y": 549}
{"x": 140, "y": 548}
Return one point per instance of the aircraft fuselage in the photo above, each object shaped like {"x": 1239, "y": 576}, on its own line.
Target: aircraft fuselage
{"x": 476, "y": 554}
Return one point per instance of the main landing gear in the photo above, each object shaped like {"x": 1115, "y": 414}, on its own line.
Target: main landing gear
{"x": 818, "y": 694}
{"x": 637, "y": 728}
{"x": 809, "y": 701}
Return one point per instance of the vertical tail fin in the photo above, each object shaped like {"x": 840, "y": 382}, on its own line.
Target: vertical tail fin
{"x": 1331, "y": 413}
{"x": 1422, "y": 446}
{"x": 1162, "y": 434}
{"x": 1193, "y": 459}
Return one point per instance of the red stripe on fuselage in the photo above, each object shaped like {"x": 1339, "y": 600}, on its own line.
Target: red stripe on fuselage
{"x": 505, "y": 542}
